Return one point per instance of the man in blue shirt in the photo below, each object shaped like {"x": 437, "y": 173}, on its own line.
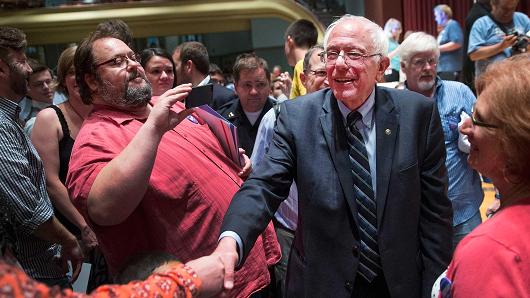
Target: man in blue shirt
{"x": 419, "y": 55}
{"x": 493, "y": 36}
{"x": 450, "y": 41}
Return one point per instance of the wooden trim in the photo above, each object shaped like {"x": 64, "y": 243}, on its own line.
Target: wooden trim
{"x": 71, "y": 24}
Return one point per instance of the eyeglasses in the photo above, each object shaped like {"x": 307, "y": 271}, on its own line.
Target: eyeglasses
{"x": 331, "y": 56}
{"x": 121, "y": 61}
{"x": 318, "y": 73}
{"x": 480, "y": 123}
{"x": 420, "y": 63}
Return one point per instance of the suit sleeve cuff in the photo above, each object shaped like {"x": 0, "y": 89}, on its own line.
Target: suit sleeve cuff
{"x": 236, "y": 237}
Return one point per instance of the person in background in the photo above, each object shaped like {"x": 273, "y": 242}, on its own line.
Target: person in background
{"x": 494, "y": 260}
{"x": 450, "y": 40}
{"x": 454, "y": 100}
{"x": 216, "y": 75}
{"x": 278, "y": 90}
{"x": 53, "y": 136}
{"x": 499, "y": 35}
{"x": 252, "y": 76}
{"x": 393, "y": 31}
{"x": 40, "y": 91}
{"x": 479, "y": 9}
{"x": 299, "y": 37}
{"x": 192, "y": 65}
{"x": 159, "y": 69}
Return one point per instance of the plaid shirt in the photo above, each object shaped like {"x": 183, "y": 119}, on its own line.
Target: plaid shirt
{"x": 23, "y": 196}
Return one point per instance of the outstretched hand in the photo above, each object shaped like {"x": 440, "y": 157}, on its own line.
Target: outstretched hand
{"x": 162, "y": 117}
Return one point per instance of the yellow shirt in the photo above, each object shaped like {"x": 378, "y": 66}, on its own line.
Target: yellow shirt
{"x": 297, "y": 88}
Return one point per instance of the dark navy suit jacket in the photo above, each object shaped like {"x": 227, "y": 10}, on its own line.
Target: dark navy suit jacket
{"x": 414, "y": 215}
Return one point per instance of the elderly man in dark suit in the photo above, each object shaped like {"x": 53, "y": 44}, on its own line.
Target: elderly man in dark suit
{"x": 374, "y": 217}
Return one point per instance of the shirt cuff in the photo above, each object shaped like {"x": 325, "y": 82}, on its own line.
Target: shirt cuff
{"x": 238, "y": 240}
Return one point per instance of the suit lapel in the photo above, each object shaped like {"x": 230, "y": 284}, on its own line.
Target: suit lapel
{"x": 335, "y": 135}
{"x": 386, "y": 118}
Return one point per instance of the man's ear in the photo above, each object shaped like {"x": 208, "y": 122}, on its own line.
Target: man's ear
{"x": 4, "y": 68}
{"x": 188, "y": 66}
{"x": 90, "y": 80}
{"x": 383, "y": 64}
{"x": 303, "y": 78}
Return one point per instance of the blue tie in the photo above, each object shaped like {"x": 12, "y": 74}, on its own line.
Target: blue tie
{"x": 369, "y": 261}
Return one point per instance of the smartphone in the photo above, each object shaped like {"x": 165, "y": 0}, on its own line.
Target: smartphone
{"x": 199, "y": 96}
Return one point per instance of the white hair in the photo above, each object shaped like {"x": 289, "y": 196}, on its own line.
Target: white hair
{"x": 378, "y": 36}
{"x": 391, "y": 25}
{"x": 418, "y": 42}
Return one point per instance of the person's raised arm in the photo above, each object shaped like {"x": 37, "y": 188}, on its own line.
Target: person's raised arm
{"x": 126, "y": 177}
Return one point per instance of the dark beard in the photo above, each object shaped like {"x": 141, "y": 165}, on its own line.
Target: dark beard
{"x": 19, "y": 80}
{"x": 130, "y": 97}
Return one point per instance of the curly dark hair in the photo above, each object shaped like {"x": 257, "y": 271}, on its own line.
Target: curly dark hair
{"x": 11, "y": 38}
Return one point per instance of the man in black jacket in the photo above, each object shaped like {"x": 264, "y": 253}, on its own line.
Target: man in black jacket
{"x": 192, "y": 65}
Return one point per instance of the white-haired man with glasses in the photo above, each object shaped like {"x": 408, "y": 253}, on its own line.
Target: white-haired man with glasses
{"x": 374, "y": 219}
{"x": 419, "y": 55}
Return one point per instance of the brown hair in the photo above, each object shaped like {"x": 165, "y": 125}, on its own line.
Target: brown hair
{"x": 64, "y": 65}
{"x": 250, "y": 61}
{"x": 11, "y": 38}
{"x": 505, "y": 86}
{"x": 84, "y": 58}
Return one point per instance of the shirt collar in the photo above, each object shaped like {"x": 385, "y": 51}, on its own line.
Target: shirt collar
{"x": 205, "y": 81}
{"x": 10, "y": 108}
{"x": 366, "y": 109}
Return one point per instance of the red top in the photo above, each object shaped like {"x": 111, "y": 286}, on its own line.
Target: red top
{"x": 191, "y": 186}
{"x": 494, "y": 259}
{"x": 176, "y": 283}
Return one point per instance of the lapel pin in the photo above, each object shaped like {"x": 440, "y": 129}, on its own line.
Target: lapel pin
{"x": 388, "y": 131}
{"x": 231, "y": 115}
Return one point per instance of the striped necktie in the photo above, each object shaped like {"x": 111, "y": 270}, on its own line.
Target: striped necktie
{"x": 369, "y": 261}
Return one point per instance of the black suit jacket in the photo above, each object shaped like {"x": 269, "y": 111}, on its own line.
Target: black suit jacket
{"x": 221, "y": 95}
{"x": 414, "y": 215}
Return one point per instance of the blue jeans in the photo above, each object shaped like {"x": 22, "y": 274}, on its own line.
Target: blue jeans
{"x": 461, "y": 230}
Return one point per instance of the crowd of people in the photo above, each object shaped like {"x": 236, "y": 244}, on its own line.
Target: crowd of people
{"x": 342, "y": 187}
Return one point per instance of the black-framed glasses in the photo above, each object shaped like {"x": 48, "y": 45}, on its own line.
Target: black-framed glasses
{"x": 480, "y": 123}
{"x": 318, "y": 73}
{"x": 331, "y": 56}
{"x": 121, "y": 61}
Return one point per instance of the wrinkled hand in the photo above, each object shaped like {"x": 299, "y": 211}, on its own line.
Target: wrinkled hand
{"x": 493, "y": 207}
{"x": 247, "y": 165}
{"x": 226, "y": 251}
{"x": 286, "y": 81}
{"x": 71, "y": 251}
{"x": 161, "y": 116}
{"x": 88, "y": 238}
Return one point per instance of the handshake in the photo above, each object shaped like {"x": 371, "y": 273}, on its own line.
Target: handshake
{"x": 216, "y": 271}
